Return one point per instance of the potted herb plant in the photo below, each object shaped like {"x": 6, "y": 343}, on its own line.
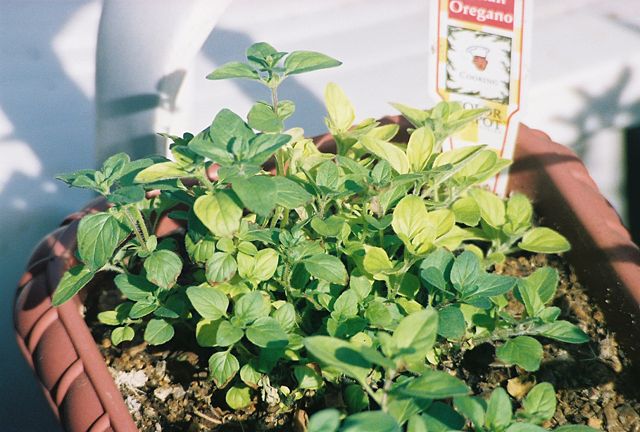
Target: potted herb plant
{"x": 333, "y": 293}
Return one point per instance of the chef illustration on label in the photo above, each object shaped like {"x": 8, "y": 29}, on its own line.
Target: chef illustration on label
{"x": 478, "y": 64}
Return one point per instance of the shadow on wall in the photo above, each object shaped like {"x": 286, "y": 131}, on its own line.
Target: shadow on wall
{"x": 225, "y": 45}
{"x": 49, "y": 129}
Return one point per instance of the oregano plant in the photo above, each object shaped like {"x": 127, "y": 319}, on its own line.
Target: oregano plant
{"x": 353, "y": 272}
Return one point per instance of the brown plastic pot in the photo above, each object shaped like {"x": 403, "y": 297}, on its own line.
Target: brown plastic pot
{"x": 59, "y": 346}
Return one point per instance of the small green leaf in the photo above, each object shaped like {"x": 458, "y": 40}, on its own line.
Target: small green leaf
{"x": 307, "y": 377}
{"x": 306, "y": 61}
{"x": 544, "y": 240}
{"x": 370, "y": 421}
{"x": 491, "y": 206}
{"x": 266, "y": 263}
{"x": 249, "y": 375}
{"x": 163, "y": 268}
{"x": 341, "y": 113}
{"x": 451, "y": 324}
{"x": 210, "y": 302}
{"x": 251, "y": 306}
{"x": 574, "y": 428}
{"x": 525, "y": 427}
{"x": 564, "y": 331}
{"x": 378, "y": 314}
{"x": 260, "y": 52}
{"x": 417, "y": 332}
{"x": 523, "y": 351}
{"x": 519, "y": 214}
{"x": 465, "y": 271}
{"x": 417, "y": 117}
{"x": 499, "y": 411}
{"x": 327, "y": 420}
{"x": 266, "y": 332}
{"x": 160, "y": 171}
{"x": 440, "y": 417}
{"x": 327, "y": 268}
{"x": 257, "y": 193}
{"x": 71, "y": 282}
{"x": 433, "y": 384}
{"x": 545, "y": 281}
{"x": 143, "y": 308}
{"x": 220, "y": 267}
{"x": 158, "y": 331}
{"x": 355, "y": 398}
{"x": 127, "y": 195}
{"x": 238, "y": 397}
{"x": 472, "y": 408}
{"x": 527, "y": 292}
{"x": 219, "y": 212}
{"x": 339, "y": 355}
{"x": 420, "y": 147}
{"x": 286, "y": 316}
{"x": 122, "y": 334}
{"x": 376, "y": 261}
{"x": 346, "y": 305}
{"x": 263, "y": 146}
{"x": 290, "y": 194}
{"x": 388, "y": 152}
{"x": 540, "y": 402}
{"x": 223, "y": 366}
{"x": 234, "y": 70}
{"x": 134, "y": 287}
{"x": 261, "y": 117}
{"x": 98, "y": 237}
{"x": 217, "y": 333}
{"x": 466, "y": 211}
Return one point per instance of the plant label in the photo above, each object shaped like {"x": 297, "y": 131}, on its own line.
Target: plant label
{"x": 479, "y": 54}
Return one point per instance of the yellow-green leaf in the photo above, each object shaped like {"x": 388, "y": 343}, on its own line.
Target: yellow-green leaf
{"x": 420, "y": 147}
{"x": 387, "y": 151}
{"x": 219, "y": 212}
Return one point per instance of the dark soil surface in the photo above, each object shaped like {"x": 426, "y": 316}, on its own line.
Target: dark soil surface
{"x": 166, "y": 388}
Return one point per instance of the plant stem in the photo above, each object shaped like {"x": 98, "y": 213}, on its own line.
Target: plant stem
{"x": 388, "y": 382}
{"x": 204, "y": 180}
{"x": 136, "y": 230}
{"x": 274, "y": 99}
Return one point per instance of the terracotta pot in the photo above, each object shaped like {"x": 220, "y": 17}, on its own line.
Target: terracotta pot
{"x": 60, "y": 348}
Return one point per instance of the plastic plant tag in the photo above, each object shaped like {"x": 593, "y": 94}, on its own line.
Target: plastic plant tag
{"x": 479, "y": 58}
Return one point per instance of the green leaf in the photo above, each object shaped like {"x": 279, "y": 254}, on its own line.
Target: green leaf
{"x": 327, "y": 268}
{"x": 527, "y": 291}
{"x": 261, "y": 52}
{"x": 465, "y": 271}
{"x": 158, "y": 331}
{"x": 440, "y": 417}
{"x": 72, "y": 281}
{"x": 203, "y": 145}
{"x": 491, "y": 207}
{"x": 466, "y": 211}
{"x": 346, "y": 305}
{"x": 261, "y": 117}
{"x": 263, "y": 146}
{"x": 544, "y": 240}
{"x": 306, "y": 61}
{"x": 266, "y": 332}
{"x": 519, "y": 214}
{"x": 433, "y": 384}
{"x": 220, "y": 267}
{"x": 286, "y": 316}
{"x": 122, "y": 334}
{"x": 210, "y": 302}
{"x": 417, "y": 332}
{"x": 339, "y": 108}
{"x": 229, "y": 132}
{"x": 307, "y": 377}
{"x": 238, "y": 397}
{"x": 260, "y": 267}
{"x": 163, "y": 268}
{"x": 416, "y": 117}
{"x": 327, "y": 420}
{"x": 290, "y": 194}
{"x": 523, "y": 351}
{"x": 160, "y": 171}
{"x": 339, "y": 355}
{"x": 219, "y": 212}
{"x": 525, "y": 427}
{"x": 574, "y": 428}
{"x": 376, "y": 261}
{"x": 143, "y": 308}
{"x": 387, "y": 151}
{"x": 217, "y": 333}
{"x": 420, "y": 147}
{"x": 451, "y": 324}
{"x": 134, "y": 287}
{"x": 249, "y": 375}
{"x": 98, "y": 237}
{"x": 564, "y": 331}
{"x": 251, "y": 306}
{"x": 234, "y": 70}
{"x": 378, "y": 314}
{"x": 355, "y": 398}
{"x": 472, "y": 408}
{"x": 370, "y": 421}
{"x": 127, "y": 195}
{"x": 491, "y": 285}
{"x": 411, "y": 223}
{"x": 417, "y": 424}
{"x": 499, "y": 411}
{"x": 258, "y": 194}
{"x": 223, "y": 366}
{"x": 544, "y": 281}
{"x": 540, "y": 402}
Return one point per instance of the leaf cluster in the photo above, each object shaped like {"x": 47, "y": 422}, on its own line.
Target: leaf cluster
{"x": 353, "y": 271}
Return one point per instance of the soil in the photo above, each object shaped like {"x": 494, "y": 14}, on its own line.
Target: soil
{"x": 167, "y": 388}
